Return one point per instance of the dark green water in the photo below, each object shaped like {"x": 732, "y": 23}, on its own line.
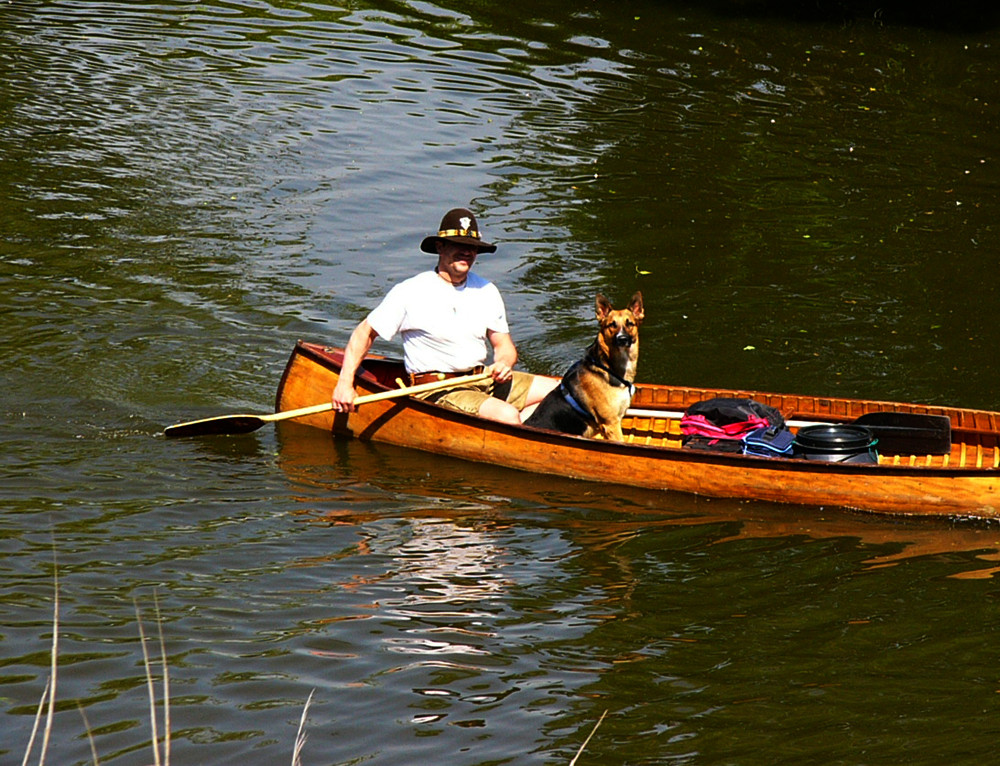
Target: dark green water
{"x": 188, "y": 188}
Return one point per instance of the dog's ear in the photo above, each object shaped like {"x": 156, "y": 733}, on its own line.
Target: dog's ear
{"x": 604, "y": 306}
{"x": 636, "y": 307}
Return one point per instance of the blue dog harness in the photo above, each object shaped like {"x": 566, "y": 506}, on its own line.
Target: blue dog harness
{"x": 577, "y": 407}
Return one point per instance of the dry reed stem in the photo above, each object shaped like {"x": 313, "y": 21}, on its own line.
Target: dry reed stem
{"x": 149, "y": 687}
{"x": 300, "y": 737}
{"x": 50, "y": 684}
{"x": 166, "y": 682}
{"x": 55, "y": 657}
{"x": 592, "y": 733}
{"x": 48, "y": 699}
{"x": 90, "y": 735}
{"x": 38, "y": 720}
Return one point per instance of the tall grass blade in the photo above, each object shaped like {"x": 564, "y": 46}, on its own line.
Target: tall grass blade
{"x": 587, "y": 740}
{"x": 300, "y": 738}
{"x": 149, "y": 686}
{"x": 38, "y": 720}
{"x": 46, "y": 736}
{"x": 90, "y": 734}
{"x": 166, "y": 683}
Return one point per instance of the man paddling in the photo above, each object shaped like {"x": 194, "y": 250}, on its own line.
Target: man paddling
{"x": 446, "y": 317}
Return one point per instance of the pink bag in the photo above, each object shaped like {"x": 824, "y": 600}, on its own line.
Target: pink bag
{"x": 699, "y": 425}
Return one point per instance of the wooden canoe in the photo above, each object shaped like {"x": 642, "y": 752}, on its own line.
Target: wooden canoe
{"x": 961, "y": 482}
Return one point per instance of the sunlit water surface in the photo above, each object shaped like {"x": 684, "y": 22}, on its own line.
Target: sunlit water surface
{"x": 188, "y": 188}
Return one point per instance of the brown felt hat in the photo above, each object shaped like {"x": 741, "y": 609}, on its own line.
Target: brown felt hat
{"x": 458, "y": 225}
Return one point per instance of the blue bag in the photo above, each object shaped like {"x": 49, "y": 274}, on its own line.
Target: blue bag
{"x": 771, "y": 441}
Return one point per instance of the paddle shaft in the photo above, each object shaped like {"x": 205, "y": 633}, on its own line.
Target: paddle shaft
{"x": 243, "y": 424}
{"x": 423, "y": 388}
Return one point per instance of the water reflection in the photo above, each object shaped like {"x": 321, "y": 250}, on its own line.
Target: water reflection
{"x": 620, "y": 600}
{"x": 600, "y": 517}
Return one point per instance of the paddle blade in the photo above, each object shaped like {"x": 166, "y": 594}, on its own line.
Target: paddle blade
{"x": 909, "y": 433}
{"x": 223, "y": 424}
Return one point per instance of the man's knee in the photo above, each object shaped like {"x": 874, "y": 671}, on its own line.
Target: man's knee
{"x": 495, "y": 409}
{"x": 540, "y": 387}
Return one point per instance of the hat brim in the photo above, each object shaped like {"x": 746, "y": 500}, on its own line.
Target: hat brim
{"x": 428, "y": 245}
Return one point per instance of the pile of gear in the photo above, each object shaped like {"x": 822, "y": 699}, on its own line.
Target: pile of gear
{"x": 749, "y": 427}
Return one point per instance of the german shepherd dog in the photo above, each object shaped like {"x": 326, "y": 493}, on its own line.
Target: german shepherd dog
{"x": 595, "y": 392}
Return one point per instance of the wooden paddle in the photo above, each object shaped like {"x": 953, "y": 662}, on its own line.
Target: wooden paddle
{"x": 909, "y": 433}
{"x": 244, "y": 424}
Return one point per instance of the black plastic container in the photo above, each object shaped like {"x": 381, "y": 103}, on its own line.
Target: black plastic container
{"x": 836, "y": 444}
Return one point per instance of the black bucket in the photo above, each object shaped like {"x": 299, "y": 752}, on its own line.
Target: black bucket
{"x": 836, "y": 444}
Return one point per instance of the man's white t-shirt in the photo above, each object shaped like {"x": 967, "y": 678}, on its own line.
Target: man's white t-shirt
{"x": 443, "y": 327}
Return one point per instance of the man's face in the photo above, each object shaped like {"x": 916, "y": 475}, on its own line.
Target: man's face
{"x": 456, "y": 260}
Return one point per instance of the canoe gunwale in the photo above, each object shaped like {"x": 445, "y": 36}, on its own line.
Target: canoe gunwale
{"x": 331, "y": 360}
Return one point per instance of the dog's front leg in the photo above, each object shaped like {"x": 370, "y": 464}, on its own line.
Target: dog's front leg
{"x": 612, "y": 431}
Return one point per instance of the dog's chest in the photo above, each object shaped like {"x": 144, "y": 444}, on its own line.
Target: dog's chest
{"x": 622, "y": 399}
{"x": 612, "y": 403}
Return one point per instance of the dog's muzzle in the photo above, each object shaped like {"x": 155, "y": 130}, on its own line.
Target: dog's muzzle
{"x": 623, "y": 339}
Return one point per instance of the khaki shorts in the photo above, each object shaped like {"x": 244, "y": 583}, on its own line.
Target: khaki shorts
{"x": 470, "y": 398}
